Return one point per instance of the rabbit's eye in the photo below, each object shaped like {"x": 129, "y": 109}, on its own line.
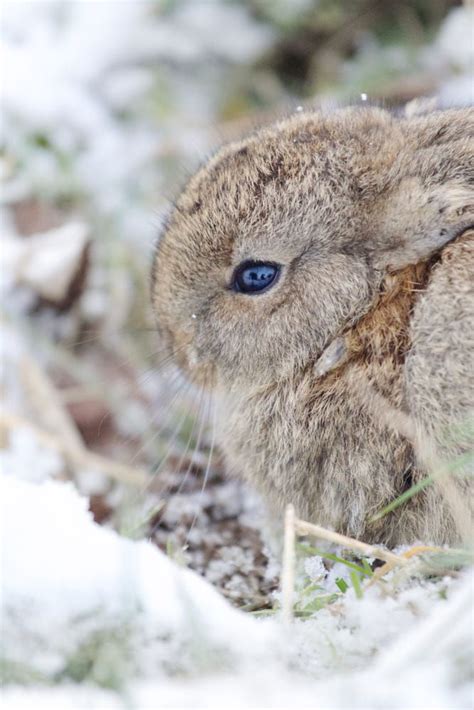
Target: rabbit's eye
{"x": 255, "y": 276}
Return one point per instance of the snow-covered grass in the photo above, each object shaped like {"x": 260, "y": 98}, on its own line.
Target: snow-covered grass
{"x": 82, "y": 605}
{"x": 104, "y": 103}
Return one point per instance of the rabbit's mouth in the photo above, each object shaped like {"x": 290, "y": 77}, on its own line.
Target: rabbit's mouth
{"x": 181, "y": 352}
{"x": 199, "y": 372}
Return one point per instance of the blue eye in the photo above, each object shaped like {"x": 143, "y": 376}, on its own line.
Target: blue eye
{"x": 255, "y": 276}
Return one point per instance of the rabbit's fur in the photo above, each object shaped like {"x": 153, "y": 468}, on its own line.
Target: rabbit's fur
{"x": 369, "y": 215}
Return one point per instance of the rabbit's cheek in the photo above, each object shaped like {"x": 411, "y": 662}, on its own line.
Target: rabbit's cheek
{"x": 190, "y": 358}
{"x": 201, "y": 372}
{"x": 182, "y": 347}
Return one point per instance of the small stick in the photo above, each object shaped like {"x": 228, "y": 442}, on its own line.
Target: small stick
{"x": 78, "y": 456}
{"x": 78, "y": 393}
{"x": 304, "y": 528}
{"x": 288, "y": 567}
{"x": 388, "y": 566}
{"x": 47, "y": 403}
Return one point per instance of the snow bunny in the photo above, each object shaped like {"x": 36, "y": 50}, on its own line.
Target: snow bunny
{"x": 314, "y": 272}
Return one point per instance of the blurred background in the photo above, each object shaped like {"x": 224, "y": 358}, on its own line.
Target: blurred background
{"x": 106, "y": 108}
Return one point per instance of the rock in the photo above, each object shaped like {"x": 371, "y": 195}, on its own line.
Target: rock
{"x": 52, "y": 264}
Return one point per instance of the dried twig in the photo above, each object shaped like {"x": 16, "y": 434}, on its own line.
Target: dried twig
{"x": 47, "y": 403}
{"x": 294, "y": 527}
{"x": 78, "y": 456}
{"x": 60, "y": 432}
{"x": 288, "y": 566}
{"x": 304, "y": 528}
{"x": 408, "y": 554}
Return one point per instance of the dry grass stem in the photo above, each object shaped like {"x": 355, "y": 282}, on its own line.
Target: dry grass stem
{"x": 47, "y": 403}
{"x": 294, "y": 527}
{"x": 288, "y": 566}
{"x": 78, "y": 456}
{"x": 408, "y": 554}
{"x": 304, "y": 528}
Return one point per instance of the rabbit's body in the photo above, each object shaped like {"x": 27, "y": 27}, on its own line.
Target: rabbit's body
{"x": 352, "y": 212}
{"x": 344, "y": 464}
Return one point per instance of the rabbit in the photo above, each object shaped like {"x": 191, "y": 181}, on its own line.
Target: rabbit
{"x": 317, "y": 253}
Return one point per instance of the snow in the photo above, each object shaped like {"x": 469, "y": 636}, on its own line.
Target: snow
{"x": 26, "y": 459}
{"x": 196, "y": 22}
{"x": 68, "y": 583}
{"x": 67, "y": 579}
{"x": 454, "y": 41}
{"x": 452, "y": 55}
{"x": 84, "y": 64}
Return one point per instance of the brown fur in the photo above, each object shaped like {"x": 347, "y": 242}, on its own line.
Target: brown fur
{"x": 357, "y": 207}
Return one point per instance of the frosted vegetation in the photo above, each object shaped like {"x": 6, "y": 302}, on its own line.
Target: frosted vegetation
{"x": 106, "y": 529}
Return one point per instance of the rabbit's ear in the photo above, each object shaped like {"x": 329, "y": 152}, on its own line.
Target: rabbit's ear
{"x": 415, "y": 221}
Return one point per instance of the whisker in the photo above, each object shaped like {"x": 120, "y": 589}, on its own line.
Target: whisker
{"x": 155, "y": 368}
{"x": 166, "y": 360}
{"x": 206, "y": 474}
{"x": 102, "y": 339}
{"x": 169, "y": 450}
{"x": 163, "y": 426}
{"x": 202, "y": 419}
{"x": 183, "y": 456}
{"x": 152, "y": 370}
{"x": 126, "y": 440}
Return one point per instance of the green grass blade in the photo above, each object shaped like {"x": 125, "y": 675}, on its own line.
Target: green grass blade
{"x": 460, "y": 462}
{"x": 342, "y": 585}
{"x": 310, "y": 550}
{"x": 355, "y": 579}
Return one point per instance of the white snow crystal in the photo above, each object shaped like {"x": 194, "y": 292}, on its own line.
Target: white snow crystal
{"x": 26, "y": 459}
{"x": 455, "y": 41}
{"x": 66, "y": 578}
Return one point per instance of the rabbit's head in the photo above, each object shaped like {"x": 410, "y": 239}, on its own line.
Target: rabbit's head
{"x": 281, "y": 241}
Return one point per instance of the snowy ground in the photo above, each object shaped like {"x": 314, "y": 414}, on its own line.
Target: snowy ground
{"x": 123, "y": 582}
{"x": 83, "y": 607}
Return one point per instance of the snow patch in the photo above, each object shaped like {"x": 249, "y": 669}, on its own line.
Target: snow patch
{"x": 65, "y": 579}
